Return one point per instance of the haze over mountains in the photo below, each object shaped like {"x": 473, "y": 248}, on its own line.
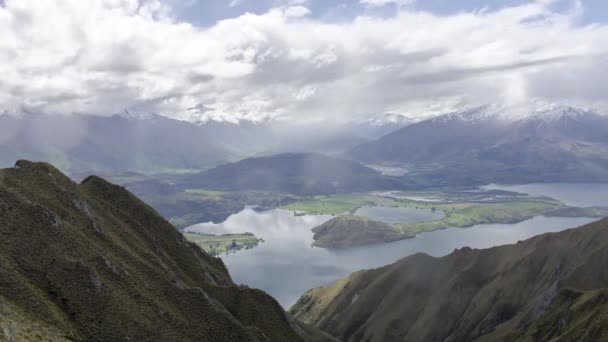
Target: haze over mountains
{"x": 495, "y": 144}
{"x": 80, "y": 143}
{"x": 153, "y": 143}
{"x": 480, "y": 145}
{"x": 301, "y": 174}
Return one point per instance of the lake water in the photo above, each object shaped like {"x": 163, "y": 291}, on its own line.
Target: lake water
{"x": 399, "y": 215}
{"x": 578, "y": 195}
{"x": 286, "y": 266}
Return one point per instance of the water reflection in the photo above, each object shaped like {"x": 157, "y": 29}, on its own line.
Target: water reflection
{"x": 286, "y": 266}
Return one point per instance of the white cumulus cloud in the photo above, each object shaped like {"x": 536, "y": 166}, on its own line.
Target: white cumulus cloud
{"x": 104, "y": 56}
{"x": 386, "y": 2}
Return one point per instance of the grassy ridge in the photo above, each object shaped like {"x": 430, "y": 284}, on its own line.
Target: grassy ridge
{"x": 97, "y": 264}
{"x": 551, "y": 287}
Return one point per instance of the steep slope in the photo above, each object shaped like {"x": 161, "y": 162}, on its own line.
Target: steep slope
{"x": 490, "y": 145}
{"x": 302, "y": 174}
{"x": 575, "y": 316}
{"x": 514, "y": 292}
{"x": 92, "y": 262}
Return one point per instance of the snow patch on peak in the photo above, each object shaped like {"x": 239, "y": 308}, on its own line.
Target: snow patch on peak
{"x": 556, "y": 113}
{"x": 536, "y": 111}
{"x": 476, "y": 114}
{"x": 389, "y": 119}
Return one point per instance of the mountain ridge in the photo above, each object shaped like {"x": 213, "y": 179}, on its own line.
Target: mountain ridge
{"x": 503, "y": 293}
{"x": 484, "y": 146}
{"x": 296, "y": 173}
{"x": 94, "y": 262}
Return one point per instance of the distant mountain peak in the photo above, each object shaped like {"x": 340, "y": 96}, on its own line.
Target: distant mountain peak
{"x": 559, "y": 112}
{"x": 390, "y": 119}
{"x": 497, "y": 112}
{"x": 481, "y": 113}
{"x": 134, "y": 115}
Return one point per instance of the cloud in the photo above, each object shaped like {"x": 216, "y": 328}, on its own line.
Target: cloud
{"x": 234, "y": 3}
{"x": 104, "y": 56}
{"x": 378, "y": 3}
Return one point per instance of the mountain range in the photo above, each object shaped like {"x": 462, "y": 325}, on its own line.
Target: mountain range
{"x": 91, "y": 262}
{"x": 552, "y": 287}
{"x": 498, "y": 144}
{"x": 295, "y": 173}
{"x": 81, "y": 144}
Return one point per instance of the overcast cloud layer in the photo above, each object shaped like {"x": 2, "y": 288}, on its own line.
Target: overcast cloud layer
{"x": 105, "y": 56}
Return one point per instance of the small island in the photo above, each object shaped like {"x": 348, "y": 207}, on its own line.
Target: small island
{"x": 349, "y": 231}
{"x": 225, "y": 243}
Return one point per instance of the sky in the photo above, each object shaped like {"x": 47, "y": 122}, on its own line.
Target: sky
{"x": 299, "y": 60}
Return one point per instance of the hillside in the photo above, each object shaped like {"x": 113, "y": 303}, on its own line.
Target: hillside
{"x": 91, "y": 262}
{"x": 302, "y": 174}
{"x": 489, "y": 144}
{"x": 550, "y": 287}
{"x": 349, "y": 231}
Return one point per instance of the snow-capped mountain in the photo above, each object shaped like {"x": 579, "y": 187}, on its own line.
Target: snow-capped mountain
{"x": 390, "y": 119}
{"x": 553, "y": 142}
{"x": 380, "y": 125}
{"x": 476, "y": 114}
{"x": 508, "y": 114}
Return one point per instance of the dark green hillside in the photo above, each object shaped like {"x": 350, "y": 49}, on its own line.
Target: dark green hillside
{"x": 549, "y": 288}
{"x": 349, "y": 230}
{"x": 91, "y": 262}
{"x": 302, "y": 174}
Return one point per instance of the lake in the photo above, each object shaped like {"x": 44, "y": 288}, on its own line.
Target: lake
{"x": 286, "y": 266}
{"x": 577, "y": 195}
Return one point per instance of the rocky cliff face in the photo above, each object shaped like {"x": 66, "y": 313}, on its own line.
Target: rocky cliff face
{"x": 91, "y": 262}
{"x": 549, "y": 287}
